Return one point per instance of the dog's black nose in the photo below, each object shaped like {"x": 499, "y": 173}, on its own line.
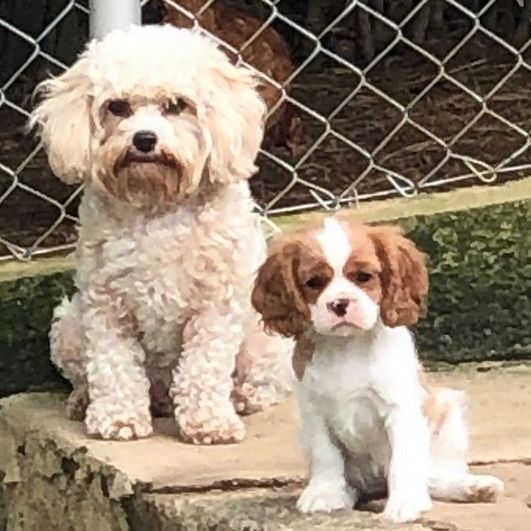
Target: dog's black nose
{"x": 145, "y": 141}
{"x": 339, "y": 307}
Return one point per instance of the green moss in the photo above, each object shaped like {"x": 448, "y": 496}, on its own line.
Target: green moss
{"x": 26, "y": 307}
{"x": 480, "y": 297}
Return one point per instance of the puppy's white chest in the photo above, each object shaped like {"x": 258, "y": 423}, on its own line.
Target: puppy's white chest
{"x": 340, "y": 387}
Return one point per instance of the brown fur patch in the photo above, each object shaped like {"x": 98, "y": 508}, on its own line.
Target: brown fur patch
{"x": 404, "y": 276}
{"x": 77, "y": 403}
{"x": 146, "y": 180}
{"x": 433, "y": 408}
{"x": 363, "y": 269}
{"x": 302, "y": 356}
{"x": 161, "y": 403}
{"x": 485, "y": 494}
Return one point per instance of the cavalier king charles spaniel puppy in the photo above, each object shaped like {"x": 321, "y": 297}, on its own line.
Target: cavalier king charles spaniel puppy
{"x": 346, "y": 293}
{"x": 163, "y": 132}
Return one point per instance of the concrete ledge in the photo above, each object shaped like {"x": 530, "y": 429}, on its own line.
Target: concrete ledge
{"x": 57, "y": 478}
{"x": 13, "y": 269}
{"x": 253, "y": 509}
{"x": 270, "y": 455}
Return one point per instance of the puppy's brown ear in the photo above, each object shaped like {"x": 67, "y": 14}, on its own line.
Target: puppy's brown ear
{"x": 276, "y": 295}
{"x": 404, "y": 276}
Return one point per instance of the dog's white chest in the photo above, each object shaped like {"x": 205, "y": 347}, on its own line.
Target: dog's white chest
{"x": 341, "y": 388}
{"x": 148, "y": 260}
{"x": 165, "y": 268}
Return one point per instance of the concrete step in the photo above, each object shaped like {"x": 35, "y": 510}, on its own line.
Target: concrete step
{"x": 56, "y": 478}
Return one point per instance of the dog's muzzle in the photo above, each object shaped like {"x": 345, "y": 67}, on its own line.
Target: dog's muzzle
{"x": 147, "y": 179}
{"x": 134, "y": 156}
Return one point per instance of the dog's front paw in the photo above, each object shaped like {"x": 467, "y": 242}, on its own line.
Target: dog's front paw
{"x": 125, "y": 426}
{"x": 326, "y": 496}
{"x": 406, "y": 507}
{"x": 195, "y": 429}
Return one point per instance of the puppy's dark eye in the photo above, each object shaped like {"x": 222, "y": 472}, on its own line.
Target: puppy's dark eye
{"x": 316, "y": 282}
{"x": 175, "y": 106}
{"x": 362, "y": 277}
{"x": 119, "y": 108}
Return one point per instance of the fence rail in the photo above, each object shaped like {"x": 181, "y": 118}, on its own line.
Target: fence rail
{"x": 368, "y": 99}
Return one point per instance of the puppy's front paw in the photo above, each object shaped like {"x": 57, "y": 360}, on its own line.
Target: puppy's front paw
{"x": 195, "y": 429}
{"x": 486, "y": 489}
{"x": 124, "y": 426}
{"x": 326, "y": 496}
{"x": 406, "y": 507}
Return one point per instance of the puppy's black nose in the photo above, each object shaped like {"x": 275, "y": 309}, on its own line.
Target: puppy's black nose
{"x": 339, "y": 307}
{"x": 145, "y": 141}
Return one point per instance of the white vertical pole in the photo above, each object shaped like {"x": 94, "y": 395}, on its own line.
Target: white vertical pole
{"x": 107, "y": 15}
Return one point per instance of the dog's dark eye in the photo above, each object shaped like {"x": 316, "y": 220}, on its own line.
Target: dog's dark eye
{"x": 175, "y": 106}
{"x": 119, "y": 108}
{"x": 362, "y": 277}
{"x": 316, "y": 282}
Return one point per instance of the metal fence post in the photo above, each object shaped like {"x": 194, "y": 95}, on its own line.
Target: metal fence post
{"x": 107, "y": 15}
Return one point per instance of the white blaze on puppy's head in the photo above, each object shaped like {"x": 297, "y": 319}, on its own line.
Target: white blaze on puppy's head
{"x": 343, "y": 304}
{"x": 339, "y": 278}
{"x": 149, "y": 114}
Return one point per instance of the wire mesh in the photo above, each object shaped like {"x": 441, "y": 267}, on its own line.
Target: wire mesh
{"x": 368, "y": 99}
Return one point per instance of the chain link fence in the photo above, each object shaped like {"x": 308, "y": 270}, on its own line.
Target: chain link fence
{"x": 368, "y": 99}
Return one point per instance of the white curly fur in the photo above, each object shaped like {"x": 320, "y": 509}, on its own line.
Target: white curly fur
{"x": 167, "y": 251}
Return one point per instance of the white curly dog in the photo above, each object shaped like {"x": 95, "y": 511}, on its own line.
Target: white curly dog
{"x": 163, "y": 131}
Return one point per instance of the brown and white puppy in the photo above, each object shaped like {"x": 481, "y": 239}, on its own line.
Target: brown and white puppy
{"x": 346, "y": 292}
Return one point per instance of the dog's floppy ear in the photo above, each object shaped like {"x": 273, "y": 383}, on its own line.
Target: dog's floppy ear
{"x": 276, "y": 295}
{"x": 404, "y": 276}
{"x": 233, "y": 115}
{"x": 63, "y": 121}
